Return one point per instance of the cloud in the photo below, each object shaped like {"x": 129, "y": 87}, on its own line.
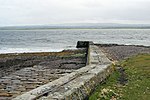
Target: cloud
{"x": 26, "y": 12}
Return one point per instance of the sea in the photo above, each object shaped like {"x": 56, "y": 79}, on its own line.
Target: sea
{"x": 54, "y": 40}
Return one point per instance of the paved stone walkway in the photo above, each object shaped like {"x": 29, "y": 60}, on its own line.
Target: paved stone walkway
{"x": 27, "y": 79}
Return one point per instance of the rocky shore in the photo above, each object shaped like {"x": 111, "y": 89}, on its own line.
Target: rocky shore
{"x": 117, "y": 52}
{"x": 23, "y": 72}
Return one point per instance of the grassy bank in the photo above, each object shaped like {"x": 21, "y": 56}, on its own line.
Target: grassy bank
{"x": 136, "y": 73}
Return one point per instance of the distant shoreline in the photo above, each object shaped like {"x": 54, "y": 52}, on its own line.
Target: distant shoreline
{"x": 72, "y": 28}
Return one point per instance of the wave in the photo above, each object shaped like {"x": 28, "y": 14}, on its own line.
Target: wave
{"x": 27, "y": 50}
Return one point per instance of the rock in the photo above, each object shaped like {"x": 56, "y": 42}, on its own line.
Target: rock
{"x": 5, "y": 95}
{"x": 83, "y": 44}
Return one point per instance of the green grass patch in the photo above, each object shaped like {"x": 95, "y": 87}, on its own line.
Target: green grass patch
{"x": 137, "y": 69}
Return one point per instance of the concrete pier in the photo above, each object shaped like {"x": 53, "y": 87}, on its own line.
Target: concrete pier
{"x": 76, "y": 85}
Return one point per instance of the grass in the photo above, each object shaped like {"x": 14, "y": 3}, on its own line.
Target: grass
{"x": 137, "y": 69}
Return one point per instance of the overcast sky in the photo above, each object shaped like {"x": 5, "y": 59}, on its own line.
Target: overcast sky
{"x": 43, "y": 12}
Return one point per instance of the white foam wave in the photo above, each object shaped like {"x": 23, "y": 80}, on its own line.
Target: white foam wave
{"x": 27, "y": 50}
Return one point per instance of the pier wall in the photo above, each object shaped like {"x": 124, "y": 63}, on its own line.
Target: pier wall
{"x": 77, "y": 85}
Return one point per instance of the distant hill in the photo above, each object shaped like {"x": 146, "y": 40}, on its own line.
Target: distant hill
{"x": 79, "y": 26}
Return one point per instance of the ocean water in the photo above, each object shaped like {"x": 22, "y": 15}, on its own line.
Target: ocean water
{"x": 16, "y": 41}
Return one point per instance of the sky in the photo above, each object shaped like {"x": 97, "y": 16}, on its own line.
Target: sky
{"x": 45, "y": 12}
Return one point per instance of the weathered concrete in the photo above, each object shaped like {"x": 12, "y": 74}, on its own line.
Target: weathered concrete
{"x": 76, "y": 85}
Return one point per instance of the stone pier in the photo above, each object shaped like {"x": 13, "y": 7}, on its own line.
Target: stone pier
{"x": 78, "y": 84}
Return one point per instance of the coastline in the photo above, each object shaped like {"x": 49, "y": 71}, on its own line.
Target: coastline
{"x": 31, "y": 70}
{"x": 30, "y": 59}
{"x": 114, "y": 52}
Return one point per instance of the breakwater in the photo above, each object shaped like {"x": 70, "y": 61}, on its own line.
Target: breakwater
{"x": 78, "y": 84}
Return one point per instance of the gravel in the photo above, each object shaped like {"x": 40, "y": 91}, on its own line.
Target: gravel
{"x": 120, "y": 52}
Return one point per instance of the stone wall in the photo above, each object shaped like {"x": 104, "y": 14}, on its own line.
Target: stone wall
{"x": 76, "y": 85}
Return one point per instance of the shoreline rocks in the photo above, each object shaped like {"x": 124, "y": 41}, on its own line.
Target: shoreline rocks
{"x": 120, "y": 52}
{"x": 24, "y": 72}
